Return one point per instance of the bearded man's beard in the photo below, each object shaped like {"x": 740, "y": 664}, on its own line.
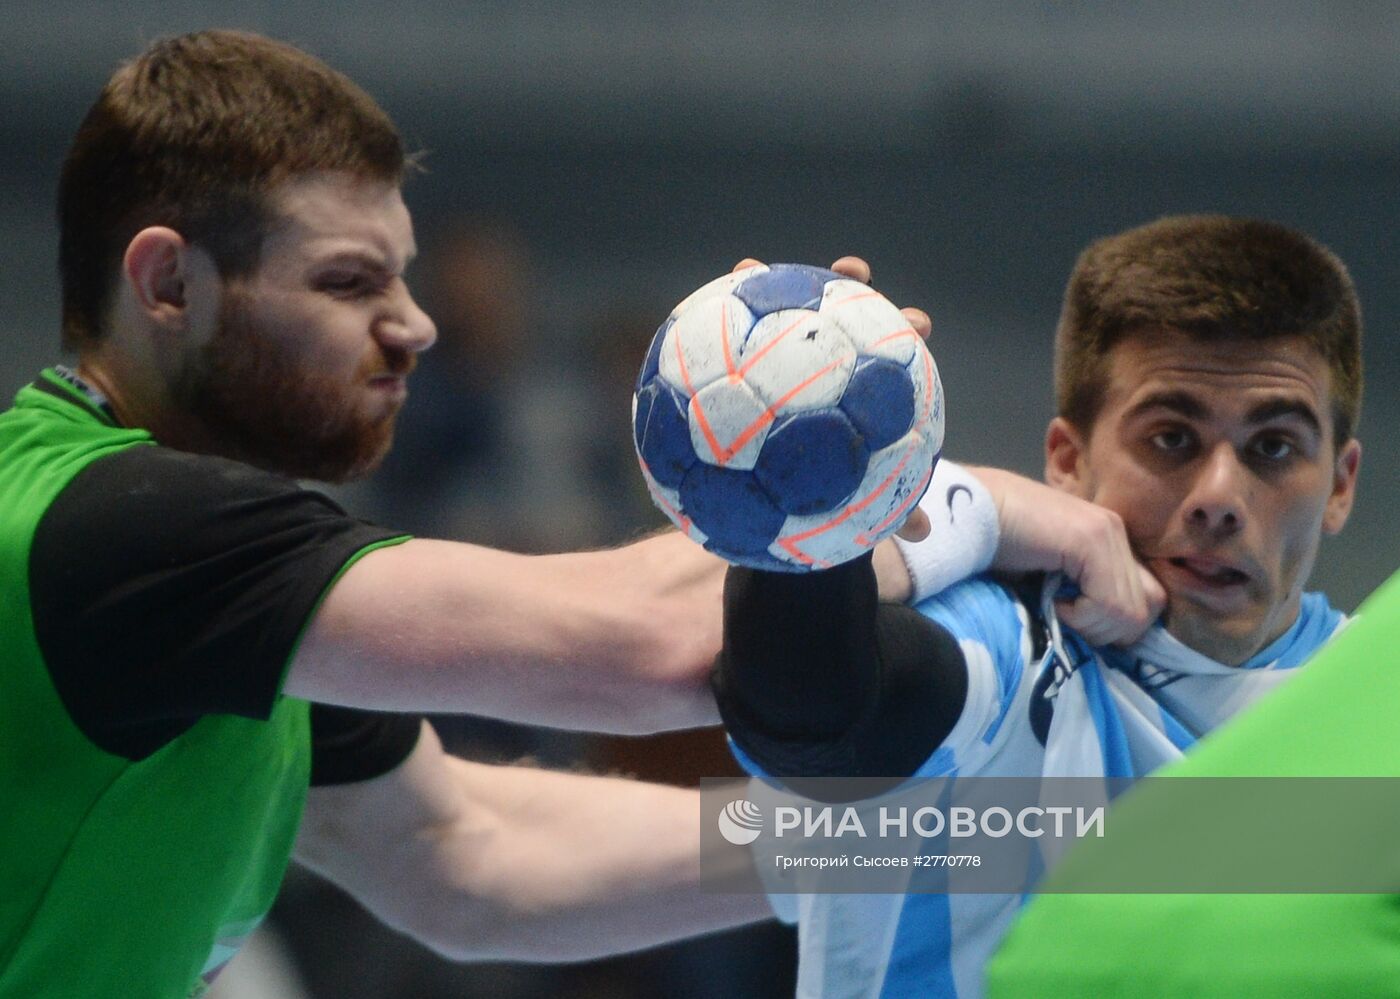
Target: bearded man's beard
{"x": 253, "y": 400}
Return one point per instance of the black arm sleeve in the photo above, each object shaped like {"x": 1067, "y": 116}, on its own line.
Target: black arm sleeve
{"x": 166, "y": 586}
{"x": 817, "y": 678}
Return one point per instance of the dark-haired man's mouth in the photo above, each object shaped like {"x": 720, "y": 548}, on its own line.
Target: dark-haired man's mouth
{"x": 1210, "y": 572}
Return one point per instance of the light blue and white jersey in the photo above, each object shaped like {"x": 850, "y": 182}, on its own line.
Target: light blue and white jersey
{"x": 1117, "y": 713}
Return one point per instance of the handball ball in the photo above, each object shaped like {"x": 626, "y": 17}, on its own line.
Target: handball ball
{"x": 787, "y": 417}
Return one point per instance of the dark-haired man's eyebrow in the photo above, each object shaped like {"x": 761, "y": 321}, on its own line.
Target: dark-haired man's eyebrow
{"x": 1182, "y": 403}
{"x": 1274, "y": 409}
{"x": 370, "y": 260}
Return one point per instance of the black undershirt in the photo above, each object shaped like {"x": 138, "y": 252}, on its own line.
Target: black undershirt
{"x": 168, "y": 586}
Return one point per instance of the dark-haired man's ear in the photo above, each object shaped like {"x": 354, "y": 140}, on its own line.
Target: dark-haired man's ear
{"x": 1334, "y": 516}
{"x": 154, "y": 268}
{"x": 1064, "y": 458}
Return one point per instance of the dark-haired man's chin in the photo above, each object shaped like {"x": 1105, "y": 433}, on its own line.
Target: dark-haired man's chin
{"x": 342, "y": 458}
{"x": 1228, "y": 640}
{"x": 358, "y": 462}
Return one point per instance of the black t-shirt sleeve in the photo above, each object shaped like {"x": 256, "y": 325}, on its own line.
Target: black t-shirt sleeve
{"x": 817, "y": 678}
{"x": 166, "y": 586}
{"x": 349, "y": 745}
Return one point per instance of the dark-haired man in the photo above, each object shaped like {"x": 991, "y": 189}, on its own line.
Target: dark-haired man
{"x": 1208, "y": 384}
{"x": 233, "y": 248}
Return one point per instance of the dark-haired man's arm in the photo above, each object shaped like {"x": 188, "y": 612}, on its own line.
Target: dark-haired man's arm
{"x": 512, "y": 863}
{"x": 1034, "y": 528}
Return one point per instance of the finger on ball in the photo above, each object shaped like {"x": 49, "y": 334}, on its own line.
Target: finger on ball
{"x": 916, "y": 526}
{"x": 853, "y": 267}
{"x": 919, "y": 320}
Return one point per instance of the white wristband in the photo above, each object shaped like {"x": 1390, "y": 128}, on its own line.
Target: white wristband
{"x": 964, "y": 534}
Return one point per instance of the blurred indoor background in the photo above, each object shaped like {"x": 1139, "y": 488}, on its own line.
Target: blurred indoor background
{"x": 589, "y": 163}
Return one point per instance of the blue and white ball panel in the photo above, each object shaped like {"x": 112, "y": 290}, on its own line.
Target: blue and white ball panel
{"x": 693, "y": 354}
{"x": 869, "y": 321}
{"x": 785, "y": 286}
{"x": 928, "y": 392}
{"x": 721, "y": 415}
{"x": 910, "y": 462}
{"x": 661, "y": 430}
{"x": 652, "y": 364}
{"x": 812, "y": 462}
{"x": 669, "y": 500}
{"x": 879, "y": 401}
{"x": 719, "y": 286}
{"x": 899, "y": 474}
{"x": 797, "y": 340}
{"x": 731, "y": 507}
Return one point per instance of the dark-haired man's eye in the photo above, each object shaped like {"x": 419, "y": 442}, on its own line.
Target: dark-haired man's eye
{"x": 1274, "y": 448}
{"x": 1171, "y": 440}
{"x": 346, "y": 284}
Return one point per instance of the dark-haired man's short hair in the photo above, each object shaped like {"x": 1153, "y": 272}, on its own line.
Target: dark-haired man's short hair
{"x": 1214, "y": 278}
{"x": 192, "y": 134}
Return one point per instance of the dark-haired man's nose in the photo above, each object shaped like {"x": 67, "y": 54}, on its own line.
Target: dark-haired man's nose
{"x": 1216, "y": 502}
{"x": 406, "y": 326}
